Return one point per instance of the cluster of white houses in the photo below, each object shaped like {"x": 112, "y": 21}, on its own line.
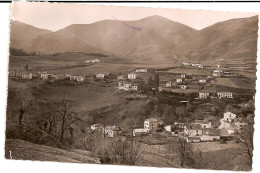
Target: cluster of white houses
{"x": 45, "y": 75}
{"x": 22, "y": 74}
{"x": 108, "y": 131}
{"x": 93, "y": 61}
{"x": 192, "y": 65}
{"x": 220, "y": 73}
{"x": 201, "y": 86}
{"x": 197, "y": 131}
{"x": 52, "y": 76}
{"x": 127, "y": 82}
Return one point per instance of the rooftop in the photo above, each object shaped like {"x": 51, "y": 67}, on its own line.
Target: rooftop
{"x": 112, "y": 128}
{"x": 194, "y": 127}
{"x": 201, "y": 121}
{"x": 153, "y": 119}
{"x": 213, "y": 132}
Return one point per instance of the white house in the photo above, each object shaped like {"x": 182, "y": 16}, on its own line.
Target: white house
{"x": 229, "y": 116}
{"x": 225, "y": 94}
{"x": 80, "y": 78}
{"x": 98, "y": 127}
{"x": 11, "y": 73}
{"x": 206, "y": 138}
{"x": 197, "y": 65}
{"x": 59, "y": 76}
{"x": 72, "y": 77}
{"x": 210, "y": 134}
{"x": 137, "y": 132}
{"x": 179, "y": 125}
{"x": 203, "y": 123}
{"x": 141, "y": 70}
{"x": 113, "y": 131}
{"x": 168, "y": 84}
{"x": 207, "y": 92}
{"x": 183, "y": 75}
{"x": 100, "y": 75}
{"x": 127, "y": 86}
{"x": 217, "y": 73}
{"x": 93, "y": 61}
{"x": 202, "y": 81}
{"x": 168, "y": 128}
{"x": 26, "y": 75}
{"x": 153, "y": 124}
{"x": 131, "y": 76}
{"x": 193, "y": 130}
{"x": 179, "y": 80}
{"x": 185, "y": 63}
{"x": 46, "y": 76}
{"x": 203, "y": 95}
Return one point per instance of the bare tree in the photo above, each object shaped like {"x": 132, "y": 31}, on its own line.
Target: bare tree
{"x": 204, "y": 160}
{"x": 19, "y": 101}
{"x": 126, "y": 152}
{"x": 135, "y": 152}
{"x": 46, "y": 115}
{"x": 67, "y": 115}
{"x": 246, "y": 138}
{"x": 185, "y": 151}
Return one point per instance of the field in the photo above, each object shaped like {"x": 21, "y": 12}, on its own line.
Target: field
{"x": 88, "y": 97}
{"x": 243, "y": 83}
{"x": 203, "y": 72}
{"x": 225, "y": 156}
{"x": 96, "y": 68}
{"x": 221, "y": 156}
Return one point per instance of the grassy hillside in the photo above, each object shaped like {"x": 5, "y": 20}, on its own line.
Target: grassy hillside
{"x": 156, "y": 40}
{"x": 23, "y": 150}
{"x": 23, "y": 34}
{"x": 232, "y": 39}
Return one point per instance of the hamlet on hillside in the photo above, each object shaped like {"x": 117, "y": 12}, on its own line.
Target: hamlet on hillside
{"x": 147, "y": 91}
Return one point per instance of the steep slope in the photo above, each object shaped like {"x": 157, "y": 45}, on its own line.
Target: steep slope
{"x": 51, "y": 43}
{"x": 23, "y": 150}
{"x": 150, "y": 36}
{"x": 229, "y": 40}
{"x": 23, "y": 34}
{"x": 155, "y": 39}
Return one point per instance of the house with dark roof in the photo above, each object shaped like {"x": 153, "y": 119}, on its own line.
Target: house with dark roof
{"x": 97, "y": 127}
{"x": 128, "y": 86}
{"x": 203, "y": 123}
{"x": 207, "y": 92}
{"x": 193, "y": 130}
{"x": 153, "y": 124}
{"x": 210, "y": 134}
{"x": 113, "y": 131}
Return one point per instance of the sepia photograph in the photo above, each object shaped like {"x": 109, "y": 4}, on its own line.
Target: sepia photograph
{"x": 135, "y": 86}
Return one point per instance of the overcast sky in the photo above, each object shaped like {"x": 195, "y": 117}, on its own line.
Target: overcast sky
{"x": 55, "y": 16}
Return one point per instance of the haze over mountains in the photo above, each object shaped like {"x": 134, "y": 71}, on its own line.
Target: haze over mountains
{"x": 152, "y": 37}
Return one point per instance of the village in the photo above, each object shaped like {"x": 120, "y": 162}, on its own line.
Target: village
{"x": 186, "y": 83}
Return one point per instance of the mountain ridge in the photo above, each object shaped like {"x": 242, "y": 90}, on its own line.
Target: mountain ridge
{"x": 153, "y": 37}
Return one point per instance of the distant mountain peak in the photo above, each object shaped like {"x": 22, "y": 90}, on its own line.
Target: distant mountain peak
{"x": 156, "y": 18}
